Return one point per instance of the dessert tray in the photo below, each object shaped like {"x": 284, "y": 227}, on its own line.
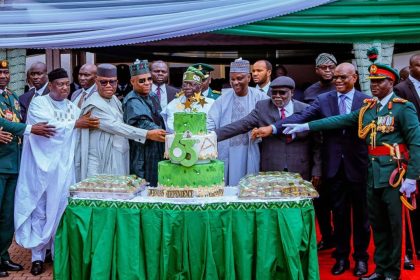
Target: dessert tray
{"x": 274, "y": 185}
{"x": 104, "y": 186}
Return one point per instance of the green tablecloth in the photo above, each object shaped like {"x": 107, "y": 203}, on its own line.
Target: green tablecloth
{"x": 241, "y": 240}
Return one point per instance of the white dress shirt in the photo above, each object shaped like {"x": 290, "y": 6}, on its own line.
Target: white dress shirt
{"x": 385, "y": 101}
{"x": 40, "y": 91}
{"x": 265, "y": 88}
{"x": 348, "y": 100}
{"x": 163, "y": 95}
{"x": 416, "y": 84}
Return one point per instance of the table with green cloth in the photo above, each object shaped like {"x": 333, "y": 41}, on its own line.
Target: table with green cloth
{"x": 215, "y": 239}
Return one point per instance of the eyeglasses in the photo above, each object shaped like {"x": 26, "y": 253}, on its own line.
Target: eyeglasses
{"x": 341, "y": 77}
{"x": 280, "y": 92}
{"x": 326, "y": 67}
{"x": 142, "y": 81}
{"x": 104, "y": 83}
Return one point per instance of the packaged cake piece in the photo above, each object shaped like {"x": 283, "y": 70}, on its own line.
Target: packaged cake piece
{"x": 276, "y": 184}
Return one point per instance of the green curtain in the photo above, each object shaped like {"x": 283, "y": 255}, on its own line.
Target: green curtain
{"x": 153, "y": 241}
{"x": 344, "y": 21}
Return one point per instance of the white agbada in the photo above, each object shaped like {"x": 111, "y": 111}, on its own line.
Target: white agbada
{"x": 46, "y": 172}
{"x": 177, "y": 105}
{"x": 240, "y": 155}
{"x": 105, "y": 150}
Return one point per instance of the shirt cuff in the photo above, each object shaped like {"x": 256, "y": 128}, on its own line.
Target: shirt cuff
{"x": 27, "y": 129}
{"x": 274, "y": 129}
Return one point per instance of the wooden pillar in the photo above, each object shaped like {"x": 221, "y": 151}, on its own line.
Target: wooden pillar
{"x": 52, "y": 58}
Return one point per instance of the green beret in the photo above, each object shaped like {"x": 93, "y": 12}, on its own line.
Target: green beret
{"x": 4, "y": 64}
{"x": 139, "y": 67}
{"x": 193, "y": 74}
{"x": 204, "y": 68}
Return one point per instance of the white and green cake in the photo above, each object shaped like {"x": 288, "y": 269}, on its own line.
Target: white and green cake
{"x": 192, "y": 168}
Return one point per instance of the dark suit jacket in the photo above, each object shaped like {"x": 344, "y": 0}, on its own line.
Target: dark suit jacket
{"x": 407, "y": 91}
{"x": 171, "y": 92}
{"x": 302, "y": 155}
{"x": 25, "y": 99}
{"x": 339, "y": 145}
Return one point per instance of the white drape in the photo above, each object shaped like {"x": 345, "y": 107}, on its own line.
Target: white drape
{"x": 73, "y": 24}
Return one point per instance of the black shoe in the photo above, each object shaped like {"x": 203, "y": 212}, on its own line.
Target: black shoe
{"x": 325, "y": 245}
{"x": 361, "y": 268}
{"x": 37, "y": 268}
{"x": 408, "y": 264}
{"x": 373, "y": 276}
{"x": 3, "y": 273}
{"x": 11, "y": 266}
{"x": 340, "y": 266}
{"x": 48, "y": 257}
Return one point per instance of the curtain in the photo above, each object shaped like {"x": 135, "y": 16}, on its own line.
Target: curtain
{"x": 344, "y": 21}
{"x": 81, "y": 24}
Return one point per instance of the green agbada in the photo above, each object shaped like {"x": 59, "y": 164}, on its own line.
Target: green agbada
{"x": 144, "y": 112}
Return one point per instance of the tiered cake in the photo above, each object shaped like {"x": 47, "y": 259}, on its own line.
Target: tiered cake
{"x": 192, "y": 169}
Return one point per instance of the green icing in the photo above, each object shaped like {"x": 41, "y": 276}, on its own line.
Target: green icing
{"x": 176, "y": 175}
{"x": 194, "y": 122}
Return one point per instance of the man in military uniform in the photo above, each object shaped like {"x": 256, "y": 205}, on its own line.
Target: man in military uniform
{"x": 10, "y": 151}
{"x": 206, "y": 91}
{"x": 383, "y": 121}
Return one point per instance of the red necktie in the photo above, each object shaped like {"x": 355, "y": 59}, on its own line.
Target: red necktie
{"x": 283, "y": 116}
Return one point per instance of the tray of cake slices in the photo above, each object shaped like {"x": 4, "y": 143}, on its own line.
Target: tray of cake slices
{"x": 103, "y": 186}
{"x": 276, "y": 184}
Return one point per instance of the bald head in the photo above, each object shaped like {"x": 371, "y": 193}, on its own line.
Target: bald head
{"x": 344, "y": 77}
{"x": 87, "y": 75}
{"x": 38, "y": 75}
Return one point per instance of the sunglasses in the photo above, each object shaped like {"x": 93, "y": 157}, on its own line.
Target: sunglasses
{"x": 142, "y": 81}
{"x": 341, "y": 77}
{"x": 325, "y": 67}
{"x": 104, "y": 83}
{"x": 280, "y": 92}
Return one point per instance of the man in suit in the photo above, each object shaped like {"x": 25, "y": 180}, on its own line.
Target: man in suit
{"x": 10, "y": 152}
{"x": 300, "y": 154}
{"x": 410, "y": 89}
{"x": 261, "y": 75}
{"x": 87, "y": 78}
{"x": 160, "y": 74}
{"x": 345, "y": 163}
{"x": 39, "y": 78}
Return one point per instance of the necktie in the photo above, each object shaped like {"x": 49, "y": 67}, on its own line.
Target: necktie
{"x": 82, "y": 99}
{"x": 283, "y": 116}
{"x": 158, "y": 92}
{"x": 342, "y": 105}
{"x": 378, "y": 107}
{"x": 262, "y": 90}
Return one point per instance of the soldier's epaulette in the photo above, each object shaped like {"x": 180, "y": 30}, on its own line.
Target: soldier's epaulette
{"x": 217, "y": 92}
{"x": 370, "y": 102}
{"x": 399, "y": 100}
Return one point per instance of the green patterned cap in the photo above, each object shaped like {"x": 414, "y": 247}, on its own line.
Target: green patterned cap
{"x": 193, "y": 74}
{"x": 139, "y": 67}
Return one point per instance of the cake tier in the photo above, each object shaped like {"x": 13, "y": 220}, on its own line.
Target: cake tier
{"x": 194, "y": 122}
{"x": 170, "y": 192}
{"x": 197, "y": 176}
{"x": 205, "y": 146}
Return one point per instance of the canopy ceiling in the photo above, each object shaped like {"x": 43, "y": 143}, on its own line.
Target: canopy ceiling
{"x": 80, "y": 24}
